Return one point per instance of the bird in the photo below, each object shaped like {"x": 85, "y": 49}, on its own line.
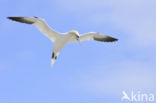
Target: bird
{"x": 61, "y": 39}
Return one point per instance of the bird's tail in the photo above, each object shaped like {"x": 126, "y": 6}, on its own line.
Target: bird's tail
{"x": 52, "y": 62}
{"x": 53, "y": 59}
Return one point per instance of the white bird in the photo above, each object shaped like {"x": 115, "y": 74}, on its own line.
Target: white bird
{"x": 61, "y": 39}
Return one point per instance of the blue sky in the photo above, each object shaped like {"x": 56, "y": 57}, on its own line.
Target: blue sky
{"x": 93, "y": 72}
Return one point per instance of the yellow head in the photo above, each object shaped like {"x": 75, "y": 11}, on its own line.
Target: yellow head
{"x": 74, "y": 32}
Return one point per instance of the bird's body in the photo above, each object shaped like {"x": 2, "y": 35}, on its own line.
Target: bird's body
{"x": 61, "y": 39}
{"x": 59, "y": 43}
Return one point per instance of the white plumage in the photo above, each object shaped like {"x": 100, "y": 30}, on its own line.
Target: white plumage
{"x": 61, "y": 39}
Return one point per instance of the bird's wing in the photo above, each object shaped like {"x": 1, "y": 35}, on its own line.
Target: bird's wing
{"x": 39, "y": 24}
{"x": 94, "y": 36}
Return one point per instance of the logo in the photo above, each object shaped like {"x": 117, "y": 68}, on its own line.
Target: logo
{"x": 137, "y": 96}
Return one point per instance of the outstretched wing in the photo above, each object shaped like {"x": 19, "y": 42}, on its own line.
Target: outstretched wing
{"x": 94, "y": 36}
{"x": 39, "y": 23}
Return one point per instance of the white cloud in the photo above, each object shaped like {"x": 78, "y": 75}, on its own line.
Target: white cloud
{"x": 113, "y": 79}
{"x": 135, "y": 16}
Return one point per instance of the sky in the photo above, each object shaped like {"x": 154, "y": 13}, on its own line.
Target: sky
{"x": 93, "y": 72}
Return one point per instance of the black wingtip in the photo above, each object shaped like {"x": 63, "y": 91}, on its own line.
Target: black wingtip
{"x": 111, "y": 39}
{"x": 114, "y": 39}
{"x": 15, "y": 18}
{"x": 9, "y": 18}
{"x": 105, "y": 39}
{"x": 21, "y": 19}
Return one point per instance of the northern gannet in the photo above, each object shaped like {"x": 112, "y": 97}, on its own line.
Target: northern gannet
{"x": 61, "y": 39}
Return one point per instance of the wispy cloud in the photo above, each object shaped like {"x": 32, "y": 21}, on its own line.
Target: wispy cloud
{"x": 120, "y": 76}
{"x": 136, "y": 17}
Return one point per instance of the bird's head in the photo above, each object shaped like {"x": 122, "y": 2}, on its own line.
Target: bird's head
{"x": 76, "y": 34}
